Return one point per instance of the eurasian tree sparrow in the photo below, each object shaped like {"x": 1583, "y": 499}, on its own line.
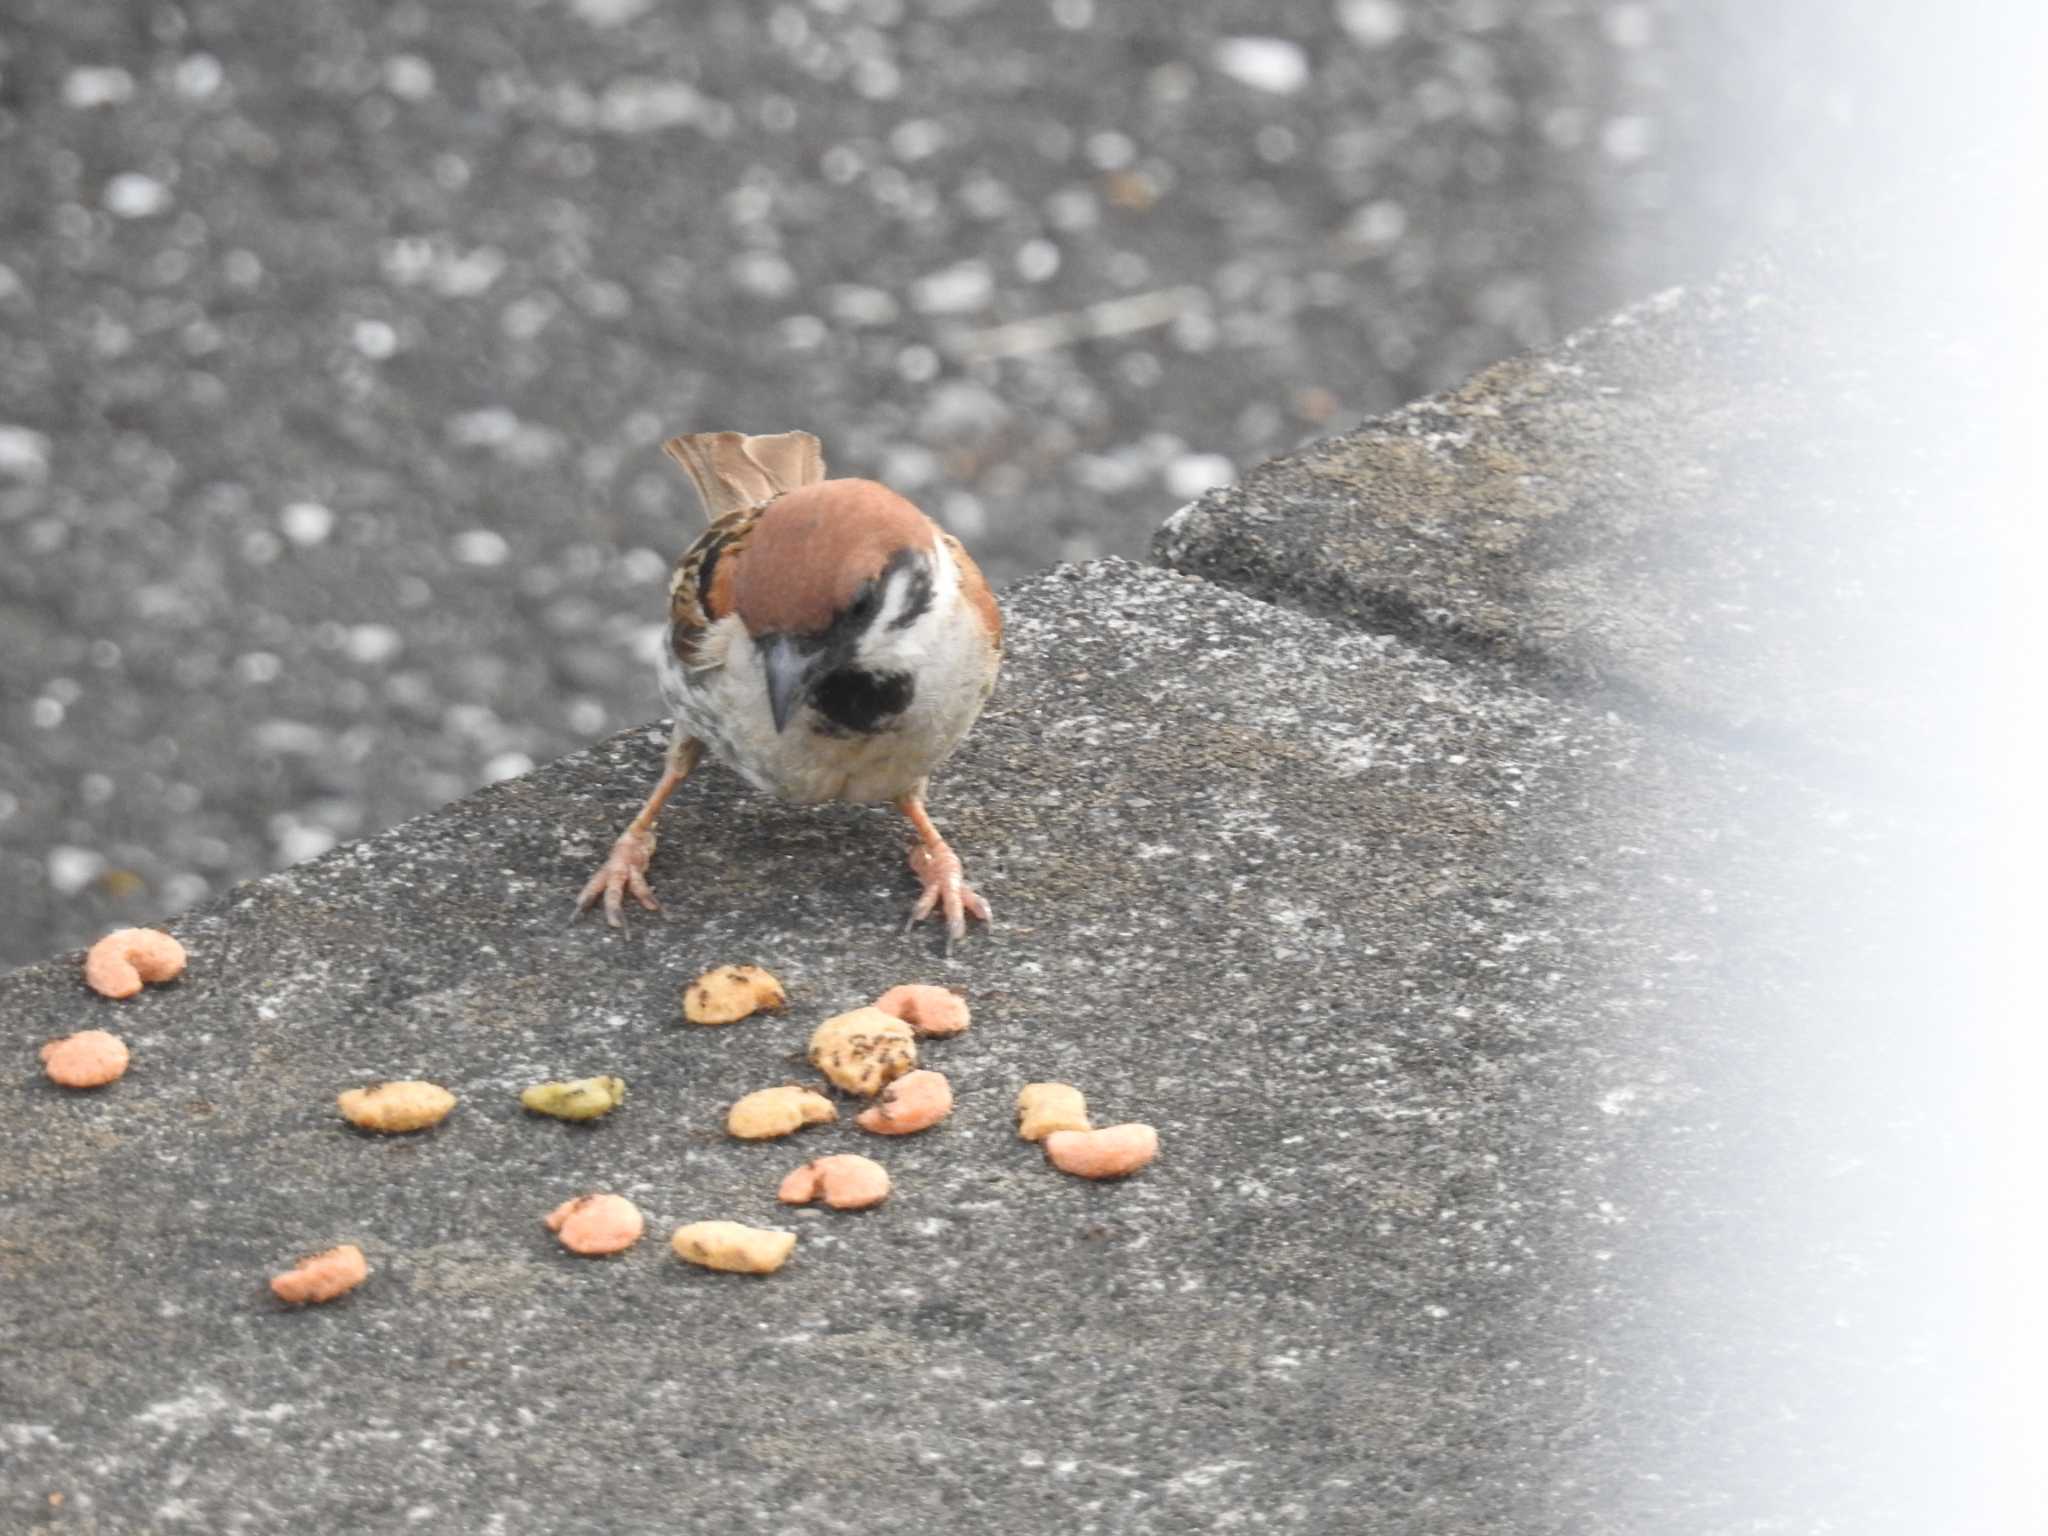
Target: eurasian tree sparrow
{"x": 826, "y": 641}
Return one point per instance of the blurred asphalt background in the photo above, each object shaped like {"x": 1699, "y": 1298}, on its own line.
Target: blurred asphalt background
{"x": 337, "y": 337}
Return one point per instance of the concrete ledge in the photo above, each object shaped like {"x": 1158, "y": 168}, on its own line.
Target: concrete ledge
{"x": 1503, "y": 1110}
{"x": 1733, "y": 509}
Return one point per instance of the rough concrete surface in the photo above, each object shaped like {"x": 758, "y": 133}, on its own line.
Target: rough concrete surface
{"x": 340, "y": 336}
{"x": 1744, "y": 508}
{"x": 1535, "y": 1157}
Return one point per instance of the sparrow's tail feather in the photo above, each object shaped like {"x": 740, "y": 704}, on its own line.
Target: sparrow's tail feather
{"x": 732, "y": 471}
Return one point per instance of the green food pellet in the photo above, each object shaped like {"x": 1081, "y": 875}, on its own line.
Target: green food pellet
{"x": 584, "y": 1099}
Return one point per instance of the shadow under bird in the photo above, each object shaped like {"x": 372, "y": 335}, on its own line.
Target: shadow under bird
{"x": 826, "y": 641}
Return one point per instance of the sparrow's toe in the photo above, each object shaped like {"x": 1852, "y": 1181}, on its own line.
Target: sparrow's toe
{"x": 946, "y": 891}
{"x": 624, "y": 872}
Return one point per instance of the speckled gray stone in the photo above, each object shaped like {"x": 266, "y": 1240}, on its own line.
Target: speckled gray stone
{"x": 1525, "y": 1164}
{"x": 1750, "y": 509}
{"x": 341, "y": 336}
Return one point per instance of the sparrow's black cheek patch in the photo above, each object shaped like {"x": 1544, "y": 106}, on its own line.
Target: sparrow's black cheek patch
{"x": 857, "y": 703}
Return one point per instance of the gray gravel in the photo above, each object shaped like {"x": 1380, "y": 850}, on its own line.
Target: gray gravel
{"x": 338, "y": 336}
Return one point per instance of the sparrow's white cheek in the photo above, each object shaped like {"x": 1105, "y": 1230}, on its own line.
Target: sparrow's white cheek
{"x": 901, "y": 650}
{"x": 909, "y": 591}
{"x": 911, "y": 621}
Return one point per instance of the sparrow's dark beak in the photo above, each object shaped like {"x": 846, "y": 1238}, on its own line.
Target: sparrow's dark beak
{"x": 789, "y": 676}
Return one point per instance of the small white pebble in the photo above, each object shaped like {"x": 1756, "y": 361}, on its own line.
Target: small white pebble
{"x": 73, "y": 869}
{"x": 374, "y": 339}
{"x": 24, "y": 454}
{"x": 98, "y": 86}
{"x": 917, "y": 138}
{"x": 1375, "y": 23}
{"x": 409, "y": 77}
{"x": 507, "y": 765}
{"x": 917, "y": 364}
{"x": 491, "y": 427}
{"x": 609, "y": 13}
{"x": 640, "y": 105}
{"x": 374, "y": 644}
{"x": 298, "y": 842}
{"x": 306, "y": 523}
{"x": 132, "y": 195}
{"x": 198, "y": 74}
{"x": 1380, "y": 222}
{"x": 480, "y": 546}
{"x": 1073, "y": 208}
{"x": 1263, "y": 63}
{"x": 1037, "y": 260}
{"x": 763, "y": 274}
{"x": 1110, "y": 150}
{"x": 259, "y": 667}
{"x": 1193, "y": 473}
{"x": 956, "y": 290}
{"x": 855, "y": 305}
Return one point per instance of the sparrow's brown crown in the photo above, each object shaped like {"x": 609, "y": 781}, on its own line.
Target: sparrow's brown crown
{"x": 814, "y": 548}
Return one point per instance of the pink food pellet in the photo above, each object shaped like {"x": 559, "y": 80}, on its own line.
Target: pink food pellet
{"x": 848, "y": 1182}
{"x": 930, "y": 1011}
{"x": 916, "y": 1101}
{"x": 322, "y": 1277}
{"x": 120, "y": 963}
{"x": 1109, "y": 1153}
{"x": 92, "y": 1058}
{"x": 595, "y": 1224}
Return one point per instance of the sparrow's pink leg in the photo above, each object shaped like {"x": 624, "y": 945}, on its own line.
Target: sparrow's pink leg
{"x": 626, "y": 869}
{"x": 938, "y": 866}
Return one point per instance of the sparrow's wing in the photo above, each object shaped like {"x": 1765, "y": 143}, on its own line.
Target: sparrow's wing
{"x": 700, "y": 591}
{"x": 732, "y": 471}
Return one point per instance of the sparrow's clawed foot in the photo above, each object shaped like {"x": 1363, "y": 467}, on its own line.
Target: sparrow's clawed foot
{"x": 945, "y": 890}
{"x": 624, "y": 871}
{"x": 938, "y": 867}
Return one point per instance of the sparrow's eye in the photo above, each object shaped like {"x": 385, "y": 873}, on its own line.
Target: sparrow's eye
{"x": 863, "y": 606}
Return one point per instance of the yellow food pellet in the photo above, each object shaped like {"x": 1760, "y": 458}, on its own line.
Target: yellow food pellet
{"x": 863, "y": 1051}
{"x": 394, "y": 1108}
{"x": 1043, "y": 1108}
{"x": 731, "y": 993}
{"x": 733, "y": 1247}
{"x": 584, "y": 1099}
{"x": 771, "y": 1112}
